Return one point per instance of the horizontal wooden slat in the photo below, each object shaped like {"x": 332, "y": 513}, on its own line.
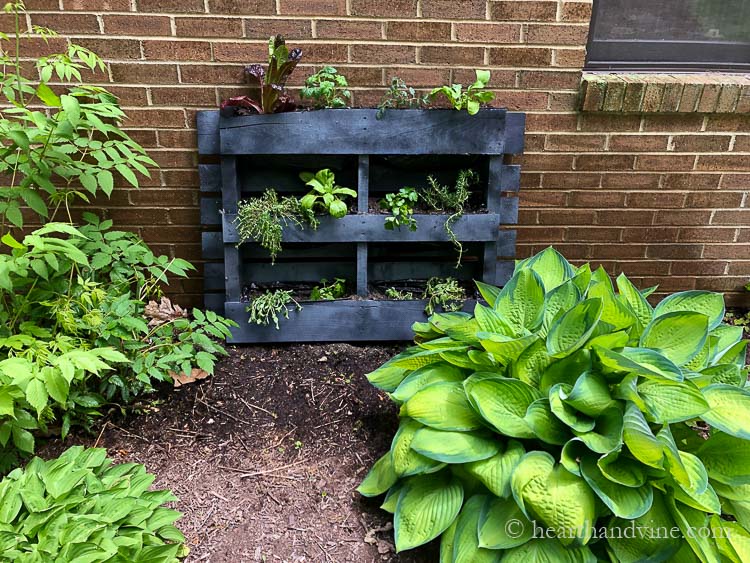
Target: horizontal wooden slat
{"x": 357, "y": 131}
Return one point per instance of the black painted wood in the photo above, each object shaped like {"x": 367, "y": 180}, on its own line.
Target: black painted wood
{"x": 207, "y": 123}
{"x": 230, "y": 197}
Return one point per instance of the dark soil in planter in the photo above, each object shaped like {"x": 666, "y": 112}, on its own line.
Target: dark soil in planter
{"x": 265, "y": 456}
{"x": 474, "y": 205}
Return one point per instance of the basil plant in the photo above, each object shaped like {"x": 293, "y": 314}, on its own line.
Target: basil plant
{"x": 568, "y": 420}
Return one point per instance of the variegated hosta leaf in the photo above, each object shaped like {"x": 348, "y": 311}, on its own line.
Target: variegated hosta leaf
{"x": 387, "y": 377}
{"x": 521, "y": 301}
{"x": 443, "y": 406}
{"x": 624, "y": 502}
{"x": 502, "y": 402}
{"x": 491, "y": 321}
{"x": 621, "y": 470}
{"x": 573, "y": 329}
{"x": 639, "y": 361}
{"x": 607, "y": 433}
{"x": 724, "y": 337}
{"x": 706, "y": 302}
{"x": 576, "y": 421}
{"x": 418, "y": 379}
{"x": 678, "y": 335}
{"x": 732, "y": 540}
{"x": 726, "y": 459}
{"x": 691, "y": 523}
{"x": 566, "y": 370}
{"x": 729, "y": 374}
{"x": 590, "y": 395}
{"x": 672, "y": 457}
{"x": 614, "y": 311}
{"x": 563, "y": 298}
{"x": 729, "y": 409}
{"x": 454, "y": 447}
{"x": 504, "y": 348}
{"x": 639, "y": 438}
{"x": 466, "y": 541}
{"x": 380, "y": 478}
{"x": 502, "y": 525}
{"x": 405, "y": 460}
{"x": 531, "y": 363}
{"x": 672, "y": 401}
{"x": 548, "y": 551}
{"x": 635, "y": 299}
{"x": 495, "y": 472}
{"x": 545, "y": 425}
{"x": 551, "y": 267}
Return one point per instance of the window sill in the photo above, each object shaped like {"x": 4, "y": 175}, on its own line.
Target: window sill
{"x": 665, "y": 93}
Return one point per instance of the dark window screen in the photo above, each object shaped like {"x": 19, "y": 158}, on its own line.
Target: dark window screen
{"x": 662, "y": 35}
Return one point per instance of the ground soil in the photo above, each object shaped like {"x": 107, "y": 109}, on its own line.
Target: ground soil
{"x": 265, "y": 456}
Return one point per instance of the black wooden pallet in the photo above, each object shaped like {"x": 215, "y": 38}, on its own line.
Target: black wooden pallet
{"x": 263, "y": 151}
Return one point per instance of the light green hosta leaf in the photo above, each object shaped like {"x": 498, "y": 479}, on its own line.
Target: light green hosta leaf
{"x": 503, "y": 348}
{"x": 426, "y": 507}
{"x": 582, "y": 278}
{"x": 611, "y": 341}
{"x": 573, "y": 329}
{"x": 379, "y": 479}
{"x": 639, "y": 438}
{"x": 640, "y": 361}
{"x": 614, "y": 311}
{"x": 624, "y": 502}
{"x": 729, "y": 374}
{"x": 672, "y": 401}
{"x": 416, "y": 357}
{"x": 488, "y": 292}
{"x": 736, "y": 354}
{"x": 575, "y": 420}
{"x": 547, "y": 427}
{"x": 672, "y": 457}
{"x": 724, "y": 337}
{"x": 443, "y": 406}
{"x": 502, "y": 525}
{"x": 732, "y": 539}
{"x": 607, "y": 433}
{"x": 590, "y": 394}
{"x": 635, "y": 299}
{"x": 447, "y": 542}
{"x": 572, "y": 452}
{"x": 736, "y": 492}
{"x": 405, "y": 460}
{"x": 739, "y": 509}
{"x": 700, "y": 361}
{"x": 555, "y": 496}
{"x": 691, "y": 522}
{"x": 391, "y": 499}
{"x": 566, "y": 370}
{"x": 463, "y": 360}
{"x": 531, "y": 363}
{"x": 466, "y": 541}
{"x": 621, "y": 470}
{"x": 699, "y": 494}
{"x": 442, "y": 344}
{"x": 562, "y": 298}
{"x": 454, "y": 447}
{"x": 707, "y": 501}
{"x": 421, "y": 378}
{"x": 706, "y": 302}
{"x": 548, "y": 551}
{"x": 679, "y": 335}
{"x": 502, "y": 402}
{"x": 495, "y": 472}
{"x": 464, "y": 333}
{"x": 521, "y": 301}
{"x": 446, "y": 321}
{"x": 387, "y": 377}
{"x": 553, "y": 269}
{"x": 726, "y": 459}
{"x": 729, "y": 409}
{"x": 490, "y": 320}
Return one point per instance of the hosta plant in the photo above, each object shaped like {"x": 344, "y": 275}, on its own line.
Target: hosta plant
{"x": 82, "y": 507}
{"x": 568, "y": 419}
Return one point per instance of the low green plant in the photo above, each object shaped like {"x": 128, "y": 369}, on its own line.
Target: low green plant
{"x": 398, "y": 294}
{"x": 401, "y": 205}
{"x": 326, "y": 196}
{"x": 327, "y": 88}
{"x": 263, "y": 219}
{"x": 329, "y": 291}
{"x": 401, "y": 96}
{"x": 445, "y": 293}
{"x": 568, "y": 419}
{"x": 441, "y": 197}
{"x": 470, "y": 99}
{"x": 82, "y": 507}
{"x": 266, "y": 307}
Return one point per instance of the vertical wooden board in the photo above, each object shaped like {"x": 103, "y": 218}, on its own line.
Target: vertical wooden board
{"x": 207, "y": 123}
{"x": 230, "y": 197}
{"x": 508, "y": 208}
{"x": 211, "y": 211}
{"x": 363, "y": 183}
{"x": 515, "y": 126}
{"x": 362, "y": 269}
{"x": 506, "y": 244}
{"x": 510, "y": 179}
{"x": 210, "y": 177}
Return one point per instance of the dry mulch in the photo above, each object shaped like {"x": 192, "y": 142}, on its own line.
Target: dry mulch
{"x": 265, "y": 456}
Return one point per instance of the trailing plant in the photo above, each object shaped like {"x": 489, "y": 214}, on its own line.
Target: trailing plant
{"x": 441, "y": 197}
{"x": 445, "y": 293}
{"x": 327, "y": 88}
{"x": 326, "y": 196}
{"x": 568, "y": 419}
{"x": 58, "y": 146}
{"x": 401, "y": 96}
{"x": 329, "y": 291}
{"x": 398, "y": 295}
{"x": 401, "y": 205}
{"x": 266, "y": 308}
{"x": 273, "y": 96}
{"x": 80, "y": 506}
{"x": 470, "y": 99}
{"x": 263, "y": 219}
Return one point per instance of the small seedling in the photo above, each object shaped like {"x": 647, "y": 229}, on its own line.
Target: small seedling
{"x": 267, "y": 307}
{"x": 445, "y": 293}
{"x": 327, "y": 88}
{"x": 325, "y": 195}
{"x": 401, "y": 205}
{"x": 329, "y": 291}
{"x": 470, "y": 99}
{"x": 401, "y": 96}
{"x": 398, "y": 295}
{"x": 298, "y": 445}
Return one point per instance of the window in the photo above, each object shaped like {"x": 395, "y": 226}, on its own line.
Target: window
{"x": 669, "y": 35}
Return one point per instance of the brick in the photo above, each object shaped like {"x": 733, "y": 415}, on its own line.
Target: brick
{"x": 167, "y": 6}
{"x": 364, "y": 76}
{"x": 731, "y": 217}
{"x": 208, "y": 27}
{"x": 528, "y": 10}
{"x": 541, "y": 198}
{"x": 593, "y": 95}
{"x": 130, "y": 96}
{"x": 723, "y": 283}
{"x": 607, "y": 123}
{"x": 244, "y": 52}
{"x": 113, "y": 49}
{"x": 693, "y": 268}
{"x": 177, "y": 50}
{"x": 714, "y": 199}
{"x": 620, "y": 251}
{"x": 32, "y": 5}
{"x": 521, "y": 100}
{"x": 678, "y": 251}
{"x": 723, "y": 163}
{"x": 211, "y": 74}
{"x": 566, "y": 217}
{"x": 575, "y": 180}
{"x": 398, "y": 54}
{"x": 631, "y": 180}
{"x": 651, "y": 234}
{"x": 450, "y": 9}
{"x": 734, "y": 181}
{"x": 312, "y": 7}
{"x": 91, "y": 5}
{"x": 625, "y": 217}
{"x": 593, "y": 234}
{"x": 244, "y": 7}
{"x": 539, "y": 234}
{"x": 652, "y": 97}
{"x": 566, "y": 34}
{"x": 289, "y": 29}
{"x": 159, "y": 196}
{"x": 136, "y": 25}
{"x": 604, "y": 162}
{"x": 689, "y": 217}
{"x": 576, "y": 12}
{"x": 655, "y": 199}
{"x": 701, "y": 143}
{"x": 551, "y": 121}
{"x": 67, "y": 23}
{"x": 416, "y": 31}
{"x": 691, "y": 181}
{"x": 546, "y": 161}
{"x": 664, "y": 162}
{"x": 671, "y": 99}
{"x": 487, "y": 32}
{"x": 703, "y": 234}
{"x": 674, "y": 123}
{"x": 498, "y": 78}
{"x": 569, "y": 58}
{"x": 574, "y": 143}
{"x": 743, "y": 104}
{"x": 156, "y": 118}
{"x": 419, "y": 77}
{"x": 563, "y": 101}
{"x": 633, "y": 97}
{"x": 404, "y": 8}
{"x": 738, "y": 268}
{"x": 709, "y": 98}
{"x": 638, "y": 143}
{"x": 131, "y": 73}
{"x": 730, "y": 94}
{"x": 520, "y": 56}
{"x": 691, "y": 95}
{"x": 614, "y": 96}
{"x": 728, "y": 123}
{"x": 452, "y": 55}
{"x": 183, "y": 96}
{"x": 596, "y": 198}
{"x": 562, "y": 80}
{"x": 643, "y": 267}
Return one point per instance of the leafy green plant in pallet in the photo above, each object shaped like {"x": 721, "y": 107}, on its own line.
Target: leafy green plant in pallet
{"x": 80, "y": 506}
{"x": 73, "y": 141}
{"x": 470, "y": 99}
{"x": 329, "y": 291}
{"x": 444, "y": 293}
{"x": 327, "y": 88}
{"x": 569, "y": 404}
{"x": 401, "y": 96}
{"x": 401, "y": 205}
{"x": 326, "y": 196}
{"x": 398, "y": 294}
{"x": 266, "y": 308}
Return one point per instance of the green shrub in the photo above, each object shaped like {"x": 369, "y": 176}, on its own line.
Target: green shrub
{"x": 567, "y": 405}
{"x": 81, "y": 507}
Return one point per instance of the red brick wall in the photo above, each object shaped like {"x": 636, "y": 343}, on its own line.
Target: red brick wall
{"x": 661, "y": 197}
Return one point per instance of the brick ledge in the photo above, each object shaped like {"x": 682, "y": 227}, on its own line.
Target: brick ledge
{"x": 665, "y": 93}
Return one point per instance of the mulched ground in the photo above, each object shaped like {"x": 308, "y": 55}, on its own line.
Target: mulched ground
{"x": 266, "y": 454}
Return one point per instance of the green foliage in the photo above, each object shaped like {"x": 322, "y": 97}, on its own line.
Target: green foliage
{"x": 567, "y": 404}
{"x": 398, "y": 295}
{"x": 401, "y": 96}
{"x": 325, "y": 196}
{"x": 441, "y": 197}
{"x": 327, "y": 88}
{"x": 263, "y": 219}
{"x": 58, "y": 147}
{"x": 401, "y": 205}
{"x": 81, "y": 507}
{"x": 266, "y": 308}
{"x": 444, "y": 293}
{"x": 470, "y": 99}
{"x": 329, "y": 291}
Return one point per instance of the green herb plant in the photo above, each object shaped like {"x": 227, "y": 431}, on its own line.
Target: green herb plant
{"x": 263, "y": 219}
{"x": 329, "y": 291}
{"x": 401, "y": 96}
{"x": 445, "y": 293}
{"x": 401, "y": 205}
{"x": 571, "y": 405}
{"x": 398, "y": 295}
{"x": 327, "y": 88}
{"x": 266, "y": 308}
{"x": 442, "y": 197}
{"x": 470, "y": 99}
{"x": 81, "y": 506}
{"x": 326, "y": 196}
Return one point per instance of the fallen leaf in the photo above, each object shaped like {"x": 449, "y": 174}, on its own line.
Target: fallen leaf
{"x": 183, "y": 379}
{"x": 163, "y": 312}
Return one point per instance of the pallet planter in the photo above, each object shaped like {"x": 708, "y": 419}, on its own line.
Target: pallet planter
{"x": 242, "y": 156}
